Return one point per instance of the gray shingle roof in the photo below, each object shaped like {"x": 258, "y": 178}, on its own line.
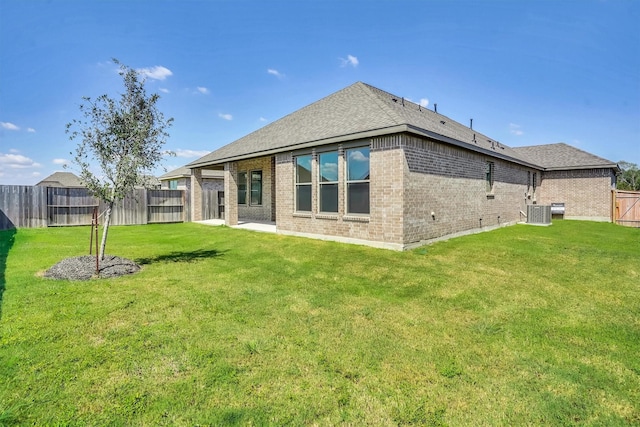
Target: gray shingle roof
{"x": 563, "y": 156}
{"x": 184, "y": 172}
{"x": 61, "y": 179}
{"x": 359, "y": 110}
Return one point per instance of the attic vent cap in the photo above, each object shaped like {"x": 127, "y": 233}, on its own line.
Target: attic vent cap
{"x": 442, "y": 122}
{"x": 394, "y": 99}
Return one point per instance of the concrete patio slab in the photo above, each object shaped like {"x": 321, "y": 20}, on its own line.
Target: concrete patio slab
{"x": 265, "y": 227}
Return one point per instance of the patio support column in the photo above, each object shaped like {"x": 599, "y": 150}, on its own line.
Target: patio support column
{"x": 196, "y": 194}
{"x": 230, "y": 193}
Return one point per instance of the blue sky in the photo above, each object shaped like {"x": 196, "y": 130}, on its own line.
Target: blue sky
{"x": 527, "y": 72}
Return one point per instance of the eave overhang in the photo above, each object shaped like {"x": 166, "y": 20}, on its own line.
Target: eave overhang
{"x": 404, "y": 128}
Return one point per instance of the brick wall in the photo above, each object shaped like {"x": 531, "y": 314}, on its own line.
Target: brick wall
{"x": 378, "y": 226}
{"x": 585, "y": 193}
{"x": 410, "y": 178}
{"x": 413, "y": 177}
{"x": 451, "y": 183}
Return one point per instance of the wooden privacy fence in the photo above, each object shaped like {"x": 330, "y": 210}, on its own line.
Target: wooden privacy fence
{"x": 22, "y": 206}
{"x": 626, "y": 208}
{"x": 33, "y": 206}
{"x": 74, "y": 206}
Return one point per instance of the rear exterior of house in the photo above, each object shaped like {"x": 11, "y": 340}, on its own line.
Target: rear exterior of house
{"x": 364, "y": 166}
{"x": 580, "y": 181}
{"x": 416, "y": 190}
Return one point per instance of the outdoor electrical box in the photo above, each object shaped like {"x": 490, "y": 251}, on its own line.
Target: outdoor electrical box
{"x": 538, "y": 214}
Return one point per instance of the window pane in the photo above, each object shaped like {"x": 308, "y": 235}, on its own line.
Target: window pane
{"x": 358, "y": 164}
{"x": 358, "y": 198}
{"x": 489, "y": 176}
{"x": 303, "y": 198}
{"x": 242, "y": 188}
{"x": 303, "y": 169}
{"x": 329, "y": 198}
{"x": 329, "y": 166}
{"x": 256, "y": 187}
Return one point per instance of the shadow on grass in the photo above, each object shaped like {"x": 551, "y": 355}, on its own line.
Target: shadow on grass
{"x": 182, "y": 256}
{"x": 7, "y": 237}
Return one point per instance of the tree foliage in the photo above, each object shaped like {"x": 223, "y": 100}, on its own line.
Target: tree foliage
{"x": 122, "y": 138}
{"x": 629, "y": 179}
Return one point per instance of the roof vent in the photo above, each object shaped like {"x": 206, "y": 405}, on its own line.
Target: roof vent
{"x": 442, "y": 122}
{"x": 403, "y": 101}
{"x": 394, "y": 99}
{"x": 435, "y": 107}
{"x": 471, "y": 124}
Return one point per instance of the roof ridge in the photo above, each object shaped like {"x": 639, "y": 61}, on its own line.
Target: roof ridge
{"x": 371, "y": 91}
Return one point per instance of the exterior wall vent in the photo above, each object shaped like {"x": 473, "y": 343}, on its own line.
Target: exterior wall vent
{"x": 538, "y": 214}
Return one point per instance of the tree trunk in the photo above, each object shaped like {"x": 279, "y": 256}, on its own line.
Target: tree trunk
{"x": 105, "y": 230}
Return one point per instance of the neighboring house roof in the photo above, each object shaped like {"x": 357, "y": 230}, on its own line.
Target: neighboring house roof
{"x": 185, "y": 172}
{"x": 358, "y": 111}
{"x": 61, "y": 179}
{"x": 561, "y": 156}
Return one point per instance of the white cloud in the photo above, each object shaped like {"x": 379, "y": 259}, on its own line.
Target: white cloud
{"x": 330, "y": 171}
{"x": 157, "y": 73}
{"x": 351, "y": 60}
{"x": 262, "y": 119}
{"x": 275, "y": 72}
{"x": 203, "y": 90}
{"x": 17, "y": 161}
{"x": 9, "y": 126}
{"x": 225, "y": 116}
{"x": 190, "y": 153}
{"x": 515, "y": 129}
{"x": 357, "y": 156}
{"x": 424, "y": 102}
{"x": 60, "y": 161}
{"x": 164, "y": 90}
{"x": 31, "y": 130}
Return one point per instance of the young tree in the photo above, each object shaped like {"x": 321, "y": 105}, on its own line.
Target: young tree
{"x": 629, "y": 179}
{"x": 124, "y": 137}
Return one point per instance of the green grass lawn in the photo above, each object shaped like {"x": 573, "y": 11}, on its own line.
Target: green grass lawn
{"x": 519, "y": 326}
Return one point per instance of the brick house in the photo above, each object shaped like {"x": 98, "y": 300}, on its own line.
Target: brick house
{"x": 180, "y": 179}
{"x": 365, "y": 166}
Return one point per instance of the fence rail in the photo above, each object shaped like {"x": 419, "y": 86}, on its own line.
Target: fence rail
{"x": 33, "y": 206}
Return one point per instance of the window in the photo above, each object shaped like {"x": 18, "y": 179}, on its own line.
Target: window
{"x": 303, "y": 183}
{"x": 535, "y": 182}
{"x": 489, "y": 176}
{"x": 173, "y": 184}
{"x": 328, "y": 181}
{"x": 358, "y": 180}
{"x": 242, "y": 188}
{"x": 256, "y": 187}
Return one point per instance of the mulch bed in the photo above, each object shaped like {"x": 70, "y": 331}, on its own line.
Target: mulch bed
{"x": 84, "y": 268}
